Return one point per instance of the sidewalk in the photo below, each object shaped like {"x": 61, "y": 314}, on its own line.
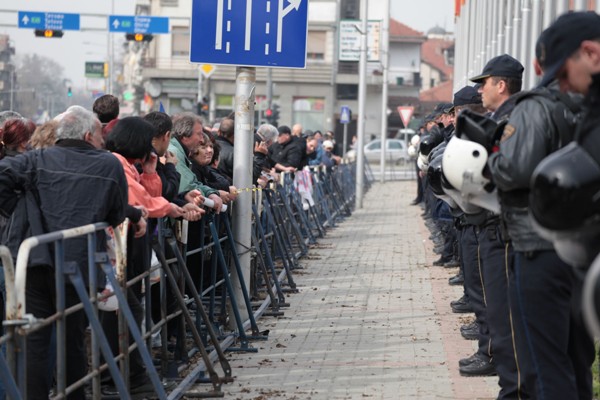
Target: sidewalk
{"x": 371, "y": 321}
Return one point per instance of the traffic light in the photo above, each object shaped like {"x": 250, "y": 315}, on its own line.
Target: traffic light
{"x": 274, "y": 118}
{"x": 69, "y": 92}
{"x": 139, "y": 37}
{"x": 203, "y": 107}
{"x": 48, "y": 33}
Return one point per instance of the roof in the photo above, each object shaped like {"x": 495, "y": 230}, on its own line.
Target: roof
{"x": 437, "y": 94}
{"x": 401, "y": 32}
{"x": 432, "y": 53}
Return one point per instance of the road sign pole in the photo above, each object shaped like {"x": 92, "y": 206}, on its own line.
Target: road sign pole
{"x": 384, "y": 90}
{"x": 345, "y": 148}
{"x": 242, "y": 174}
{"x": 362, "y": 94}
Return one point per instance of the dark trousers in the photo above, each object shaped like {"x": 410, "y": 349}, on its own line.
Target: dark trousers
{"x": 555, "y": 351}
{"x": 497, "y": 258}
{"x": 41, "y": 302}
{"x": 474, "y": 285}
{"x": 419, "y": 184}
{"x": 110, "y": 325}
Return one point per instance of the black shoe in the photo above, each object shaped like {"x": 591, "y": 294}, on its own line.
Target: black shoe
{"x": 415, "y": 202}
{"x": 439, "y": 262}
{"x": 457, "y": 279}
{"x": 468, "y": 327}
{"x": 451, "y": 263}
{"x": 478, "y": 368}
{"x": 469, "y": 360}
{"x": 470, "y": 331}
{"x": 461, "y": 306}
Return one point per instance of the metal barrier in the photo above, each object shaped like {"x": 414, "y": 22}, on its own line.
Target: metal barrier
{"x": 196, "y": 299}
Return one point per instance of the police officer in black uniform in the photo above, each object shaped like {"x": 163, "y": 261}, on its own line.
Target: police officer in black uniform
{"x": 555, "y": 352}
{"x": 500, "y": 80}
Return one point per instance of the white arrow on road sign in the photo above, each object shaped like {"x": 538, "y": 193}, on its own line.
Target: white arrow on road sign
{"x": 406, "y": 113}
{"x": 116, "y": 23}
{"x": 25, "y": 20}
{"x": 282, "y": 13}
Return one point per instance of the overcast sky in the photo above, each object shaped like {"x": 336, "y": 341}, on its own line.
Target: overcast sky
{"x": 77, "y": 47}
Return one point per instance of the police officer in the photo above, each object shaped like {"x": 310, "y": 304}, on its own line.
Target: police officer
{"x": 555, "y": 351}
{"x": 500, "y": 80}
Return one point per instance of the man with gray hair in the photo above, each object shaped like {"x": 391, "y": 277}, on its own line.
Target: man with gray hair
{"x": 187, "y": 135}
{"x": 265, "y": 136}
{"x": 71, "y": 184}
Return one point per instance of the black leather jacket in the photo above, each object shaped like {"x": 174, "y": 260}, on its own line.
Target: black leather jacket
{"x": 528, "y": 138}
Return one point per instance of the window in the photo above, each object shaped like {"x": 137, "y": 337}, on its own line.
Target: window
{"x": 347, "y": 92}
{"x": 309, "y": 112}
{"x": 374, "y": 146}
{"x": 394, "y": 145}
{"x": 180, "y": 36}
{"x": 315, "y": 45}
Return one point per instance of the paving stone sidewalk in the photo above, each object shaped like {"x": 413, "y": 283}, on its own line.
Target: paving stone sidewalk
{"x": 372, "y": 318}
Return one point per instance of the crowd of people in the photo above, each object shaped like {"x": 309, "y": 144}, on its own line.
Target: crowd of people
{"x": 506, "y": 184}
{"x": 89, "y": 166}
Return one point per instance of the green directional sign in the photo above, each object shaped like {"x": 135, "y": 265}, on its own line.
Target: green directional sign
{"x": 95, "y": 69}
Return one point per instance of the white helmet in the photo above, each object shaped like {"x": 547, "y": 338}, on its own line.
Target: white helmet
{"x": 412, "y": 151}
{"x": 463, "y": 165}
{"x": 422, "y": 162}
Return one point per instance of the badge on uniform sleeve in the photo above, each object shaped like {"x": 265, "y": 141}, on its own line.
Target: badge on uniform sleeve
{"x": 509, "y": 130}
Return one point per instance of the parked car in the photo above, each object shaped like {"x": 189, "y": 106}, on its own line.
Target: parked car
{"x": 396, "y": 152}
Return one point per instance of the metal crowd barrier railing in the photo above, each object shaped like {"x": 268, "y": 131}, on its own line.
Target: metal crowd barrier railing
{"x": 196, "y": 295}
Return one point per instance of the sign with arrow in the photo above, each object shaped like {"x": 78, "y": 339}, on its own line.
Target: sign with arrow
{"x": 406, "y": 113}
{"x": 48, "y": 20}
{"x": 265, "y": 33}
{"x": 138, "y": 24}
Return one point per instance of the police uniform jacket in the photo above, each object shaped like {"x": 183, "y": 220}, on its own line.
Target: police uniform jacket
{"x": 528, "y": 138}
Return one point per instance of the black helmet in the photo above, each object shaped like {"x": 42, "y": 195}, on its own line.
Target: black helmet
{"x": 565, "y": 205}
{"x": 478, "y": 128}
{"x": 430, "y": 141}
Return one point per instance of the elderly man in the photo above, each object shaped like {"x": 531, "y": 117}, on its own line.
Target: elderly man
{"x": 36, "y": 185}
{"x": 187, "y": 135}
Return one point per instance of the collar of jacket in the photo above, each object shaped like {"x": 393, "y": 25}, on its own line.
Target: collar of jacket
{"x": 74, "y": 143}
{"x": 180, "y": 147}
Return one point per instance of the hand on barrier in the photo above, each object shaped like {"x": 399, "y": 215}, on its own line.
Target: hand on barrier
{"x": 233, "y": 193}
{"x": 194, "y": 197}
{"x": 213, "y": 201}
{"x": 176, "y": 211}
{"x": 192, "y": 212}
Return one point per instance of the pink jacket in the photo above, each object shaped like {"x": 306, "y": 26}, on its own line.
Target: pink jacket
{"x": 144, "y": 190}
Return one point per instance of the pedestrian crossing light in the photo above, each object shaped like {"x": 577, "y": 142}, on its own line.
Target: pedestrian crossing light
{"x": 48, "y": 33}
{"x": 139, "y": 37}
{"x": 69, "y": 92}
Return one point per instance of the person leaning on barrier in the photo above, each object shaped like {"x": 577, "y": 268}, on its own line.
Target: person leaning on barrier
{"x": 265, "y": 136}
{"x": 131, "y": 143}
{"x": 186, "y": 136}
{"x": 94, "y": 183}
{"x": 555, "y": 351}
{"x": 205, "y": 165}
{"x": 226, "y": 140}
{"x": 287, "y": 153}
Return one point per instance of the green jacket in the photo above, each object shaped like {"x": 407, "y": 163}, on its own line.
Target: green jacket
{"x": 188, "y": 180}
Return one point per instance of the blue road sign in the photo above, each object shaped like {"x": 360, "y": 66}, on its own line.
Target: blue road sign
{"x": 345, "y": 115}
{"x": 48, "y": 20}
{"x": 138, "y": 24}
{"x": 265, "y": 33}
